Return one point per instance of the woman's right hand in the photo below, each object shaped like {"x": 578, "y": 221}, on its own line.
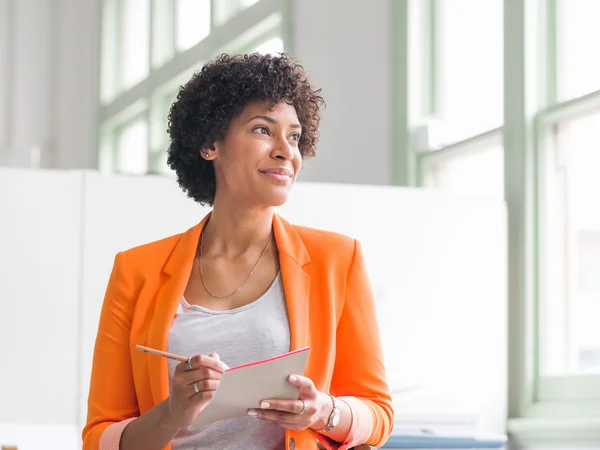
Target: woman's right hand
{"x": 184, "y": 403}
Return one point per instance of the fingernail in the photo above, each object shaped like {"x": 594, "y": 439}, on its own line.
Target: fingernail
{"x": 265, "y": 405}
{"x": 251, "y": 412}
{"x": 293, "y": 378}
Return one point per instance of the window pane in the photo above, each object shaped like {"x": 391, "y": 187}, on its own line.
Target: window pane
{"x": 272, "y": 46}
{"x": 579, "y": 70}
{"x": 571, "y": 291}
{"x": 193, "y": 22}
{"x": 480, "y": 171}
{"x": 136, "y": 35}
{"x": 470, "y": 71}
{"x": 132, "y": 148}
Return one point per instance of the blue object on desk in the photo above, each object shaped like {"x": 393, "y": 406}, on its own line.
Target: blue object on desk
{"x": 433, "y": 441}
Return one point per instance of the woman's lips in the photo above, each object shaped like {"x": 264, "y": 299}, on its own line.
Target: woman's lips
{"x": 278, "y": 174}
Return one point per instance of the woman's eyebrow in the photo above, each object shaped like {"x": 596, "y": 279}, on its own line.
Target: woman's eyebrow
{"x": 271, "y": 120}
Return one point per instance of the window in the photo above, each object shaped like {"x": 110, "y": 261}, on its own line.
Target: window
{"x": 554, "y": 228}
{"x": 578, "y": 34}
{"x": 469, "y": 66}
{"x": 457, "y": 104}
{"x": 571, "y": 263}
{"x": 149, "y": 49}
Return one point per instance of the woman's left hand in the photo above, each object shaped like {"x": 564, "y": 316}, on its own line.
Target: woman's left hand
{"x": 311, "y": 410}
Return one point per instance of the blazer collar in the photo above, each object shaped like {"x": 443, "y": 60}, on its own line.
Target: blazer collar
{"x": 296, "y": 283}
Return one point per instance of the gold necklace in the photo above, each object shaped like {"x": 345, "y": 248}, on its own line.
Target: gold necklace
{"x": 241, "y": 285}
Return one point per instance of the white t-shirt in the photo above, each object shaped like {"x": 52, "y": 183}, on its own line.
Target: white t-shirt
{"x": 243, "y": 335}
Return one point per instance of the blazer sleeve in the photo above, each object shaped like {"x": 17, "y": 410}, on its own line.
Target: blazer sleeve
{"x": 112, "y": 397}
{"x": 359, "y": 375}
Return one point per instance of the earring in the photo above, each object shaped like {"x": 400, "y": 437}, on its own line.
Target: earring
{"x": 206, "y": 155}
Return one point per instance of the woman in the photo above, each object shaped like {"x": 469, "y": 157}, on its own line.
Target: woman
{"x": 241, "y": 286}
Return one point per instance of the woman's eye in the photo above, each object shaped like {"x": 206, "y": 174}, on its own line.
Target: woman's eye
{"x": 262, "y": 130}
{"x": 295, "y": 137}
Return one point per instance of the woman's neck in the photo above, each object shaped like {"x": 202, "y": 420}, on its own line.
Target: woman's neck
{"x": 232, "y": 232}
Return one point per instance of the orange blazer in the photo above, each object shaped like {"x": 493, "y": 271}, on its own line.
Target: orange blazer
{"x": 330, "y": 307}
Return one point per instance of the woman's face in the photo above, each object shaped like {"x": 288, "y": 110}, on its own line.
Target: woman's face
{"x": 258, "y": 160}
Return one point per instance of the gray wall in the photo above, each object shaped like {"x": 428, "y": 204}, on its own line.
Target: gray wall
{"x": 48, "y": 66}
{"x": 347, "y": 51}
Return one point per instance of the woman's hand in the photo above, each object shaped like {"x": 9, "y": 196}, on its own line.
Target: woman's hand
{"x": 311, "y": 410}
{"x": 192, "y": 389}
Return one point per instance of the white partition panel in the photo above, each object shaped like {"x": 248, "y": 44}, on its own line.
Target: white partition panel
{"x": 438, "y": 267}
{"x": 40, "y": 225}
{"x": 121, "y": 212}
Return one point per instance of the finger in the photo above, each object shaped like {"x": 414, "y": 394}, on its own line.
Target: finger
{"x": 202, "y": 397}
{"x": 279, "y": 417}
{"x": 199, "y": 361}
{"x": 306, "y": 385}
{"x": 209, "y": 361}
{"x": 202, "y": 386}
{"x": 204, "y": 373}
{"x": 291, "y": 406}
{"x": 217, "y": 357}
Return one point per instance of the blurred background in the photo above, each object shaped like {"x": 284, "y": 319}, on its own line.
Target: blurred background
{"x": 494, "y": 100}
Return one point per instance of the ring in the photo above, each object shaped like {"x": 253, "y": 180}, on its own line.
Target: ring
{"x": 196, "y": 390}
{"x": 305, "y": 407}
{"x": 188, "y": 363}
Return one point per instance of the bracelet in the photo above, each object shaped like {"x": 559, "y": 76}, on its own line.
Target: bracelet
{"x": 334, "y": 417}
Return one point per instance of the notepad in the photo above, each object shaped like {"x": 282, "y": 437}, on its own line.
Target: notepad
{"x": 245, "y": 386}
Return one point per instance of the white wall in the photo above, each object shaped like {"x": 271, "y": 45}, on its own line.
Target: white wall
{"x": 48, "y": 67}
{"x": 346, "y": 49}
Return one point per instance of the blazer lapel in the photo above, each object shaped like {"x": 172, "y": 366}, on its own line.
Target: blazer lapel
{"x": 296, "y": 282}
{"x": 177, "y": 269}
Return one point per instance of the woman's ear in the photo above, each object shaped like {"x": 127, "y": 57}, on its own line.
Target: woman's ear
{"x": 207, "y": 152}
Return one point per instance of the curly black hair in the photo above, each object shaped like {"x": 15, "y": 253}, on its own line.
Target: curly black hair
{"x": 207, "y": 103}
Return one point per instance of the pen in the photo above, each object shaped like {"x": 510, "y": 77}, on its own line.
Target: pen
{"x": 159, "y": 353}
